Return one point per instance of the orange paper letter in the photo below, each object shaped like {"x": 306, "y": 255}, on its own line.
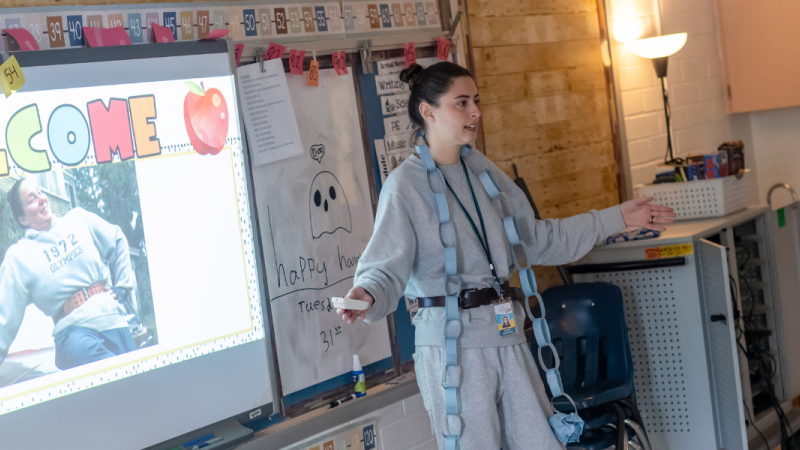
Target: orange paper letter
{"x": 143, "y": 111}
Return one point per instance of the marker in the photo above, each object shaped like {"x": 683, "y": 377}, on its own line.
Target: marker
{"x": 211, "y": 441}
{"x": 196, "y": 442}
{"x": 342, "y": 400}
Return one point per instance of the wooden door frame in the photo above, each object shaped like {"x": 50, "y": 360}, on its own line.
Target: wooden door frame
{"x": 614, "y": 95}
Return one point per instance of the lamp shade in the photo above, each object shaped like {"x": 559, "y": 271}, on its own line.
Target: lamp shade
{"x": 659, "y": 46}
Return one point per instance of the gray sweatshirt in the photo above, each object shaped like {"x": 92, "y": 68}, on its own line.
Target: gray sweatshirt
{"x": 405, "y": 256}
{"x": 47, "y": 267}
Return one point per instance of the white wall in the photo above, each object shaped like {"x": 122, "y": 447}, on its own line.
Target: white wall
{"x": 695, "y": 83}
{"x": 404, "y": 425}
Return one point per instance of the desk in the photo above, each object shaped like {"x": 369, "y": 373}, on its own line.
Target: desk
{"x": 693, "y": 385}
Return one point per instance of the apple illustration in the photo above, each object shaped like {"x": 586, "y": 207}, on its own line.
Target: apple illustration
{"x": 206, "y": 117}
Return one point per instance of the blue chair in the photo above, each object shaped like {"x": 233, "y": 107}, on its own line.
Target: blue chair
{"x": 587, "y": 326}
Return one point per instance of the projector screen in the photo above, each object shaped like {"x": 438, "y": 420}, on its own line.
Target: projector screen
{"x": 130, "y": 286}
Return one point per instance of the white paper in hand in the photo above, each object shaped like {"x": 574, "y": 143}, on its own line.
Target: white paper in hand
{"x": 349, "y": 303}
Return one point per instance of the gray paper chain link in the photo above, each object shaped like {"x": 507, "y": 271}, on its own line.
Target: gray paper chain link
{"x": 541, "y": 330}
{"x": 451, "y": 327}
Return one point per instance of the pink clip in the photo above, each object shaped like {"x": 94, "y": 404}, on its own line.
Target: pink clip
{"x": 296, "y": 61}
{"x": 274, "y": 51}
{"x": 339, "y": 63}
{"x": 24, "y": 37}
{"x": 219, "y": 33}
{"x": 410, "y": 54}
{"x": 237, "y": 52}
{"x": 163, "y": 34}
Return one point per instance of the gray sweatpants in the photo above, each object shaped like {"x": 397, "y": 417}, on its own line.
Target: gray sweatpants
{"x": 502, "y": 400}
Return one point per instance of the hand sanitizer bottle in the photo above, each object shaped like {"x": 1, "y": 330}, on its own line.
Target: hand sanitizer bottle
{"x": 358, "y": 377}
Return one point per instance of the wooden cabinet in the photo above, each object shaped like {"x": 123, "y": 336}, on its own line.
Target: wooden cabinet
{"x": 761, "y": 53}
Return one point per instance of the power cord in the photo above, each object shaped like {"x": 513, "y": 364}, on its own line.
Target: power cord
{"x": 738, "y": 329}
{"x": 750, "y": 419}
{"x": 766, "y": 363}
{"x": 732, "y": 286}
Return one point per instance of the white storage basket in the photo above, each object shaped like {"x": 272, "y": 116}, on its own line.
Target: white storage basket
{"x": 702, "y": 198}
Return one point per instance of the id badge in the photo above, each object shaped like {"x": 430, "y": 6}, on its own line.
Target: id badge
{"x": 504, "y": 312}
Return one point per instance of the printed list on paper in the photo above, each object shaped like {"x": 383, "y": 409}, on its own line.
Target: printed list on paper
{"x": 268, "y": 113}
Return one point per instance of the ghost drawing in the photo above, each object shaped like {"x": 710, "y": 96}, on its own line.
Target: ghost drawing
{"x": 328, "y": 206}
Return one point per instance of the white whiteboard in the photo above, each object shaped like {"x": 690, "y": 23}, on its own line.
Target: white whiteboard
{"x": 203, "y": 279}
{"x": 315, "y": 219}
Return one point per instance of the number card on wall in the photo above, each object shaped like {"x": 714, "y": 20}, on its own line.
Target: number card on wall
{"x": 63, "y": 28}
{"x": 369, "y": 17}
{"x": 49, "y": 29}
{"x": 36, "y": 24}
{"x": 136, "y": 20}
{"x": 358, "y": 436}
{"x": 11, "y": 80}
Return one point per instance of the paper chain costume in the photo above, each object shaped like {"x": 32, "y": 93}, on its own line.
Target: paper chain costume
{"x": 567, "y": 428}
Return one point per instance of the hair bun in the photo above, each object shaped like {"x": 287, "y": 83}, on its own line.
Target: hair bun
{"x": 411, "y": 74}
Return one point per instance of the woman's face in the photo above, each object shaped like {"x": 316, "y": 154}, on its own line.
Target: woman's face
{"x": 36, "y": 205}
{"x": 456, "y": 118}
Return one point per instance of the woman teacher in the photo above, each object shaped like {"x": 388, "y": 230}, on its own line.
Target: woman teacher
{"x": 502, "y": 398}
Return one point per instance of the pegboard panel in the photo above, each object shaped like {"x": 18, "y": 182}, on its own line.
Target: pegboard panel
{"x": 654, "y": 331}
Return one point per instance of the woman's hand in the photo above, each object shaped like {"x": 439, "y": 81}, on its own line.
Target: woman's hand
{"x": 640, "y": 213}
{"x": 357, "y": 293}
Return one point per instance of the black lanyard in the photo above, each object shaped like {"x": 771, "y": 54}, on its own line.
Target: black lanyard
{"x": 484, "y": 245}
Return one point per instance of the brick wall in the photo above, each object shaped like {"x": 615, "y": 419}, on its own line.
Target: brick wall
{"x": 403, "y": 425}
{"x": 694, "y": 80}
{"x": 540, "y": 74}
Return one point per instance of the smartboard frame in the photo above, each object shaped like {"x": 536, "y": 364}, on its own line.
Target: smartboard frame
{"x": 47, "y": 58}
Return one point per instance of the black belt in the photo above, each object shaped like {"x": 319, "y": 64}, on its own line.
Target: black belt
{"x": 473, "y": 298}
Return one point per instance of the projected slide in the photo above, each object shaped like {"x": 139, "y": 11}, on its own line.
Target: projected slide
{"x": 125, "y": 240}
{"x": 63, "y": 233}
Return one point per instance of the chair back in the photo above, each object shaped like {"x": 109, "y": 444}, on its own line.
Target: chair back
{"x": 587, "y": 327}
